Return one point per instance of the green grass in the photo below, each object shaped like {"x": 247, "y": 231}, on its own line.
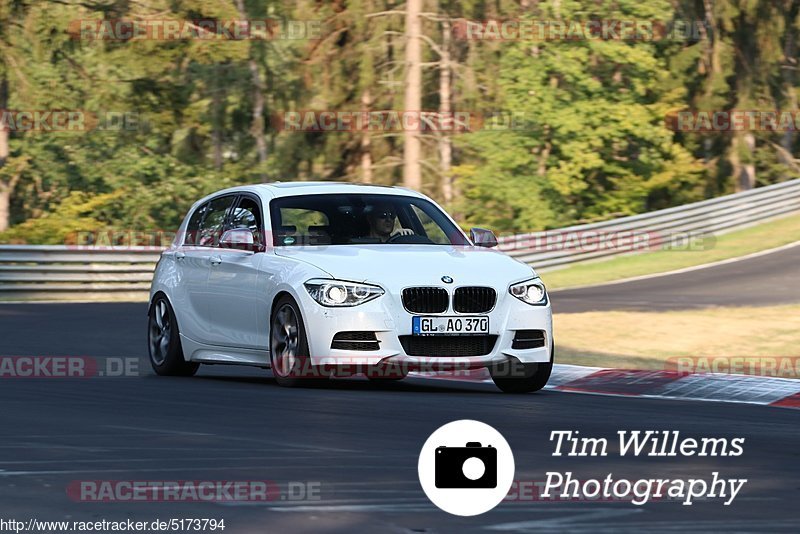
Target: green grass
{"x": 771, "y": 234}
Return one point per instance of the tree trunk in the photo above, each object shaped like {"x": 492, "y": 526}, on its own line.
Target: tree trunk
{"x": 258, "y": 112}
{"x": 257, "y": 127}
{"x": 787, "y": 73}
{"x": 744, "y": 169}
{"x": 5, "y": 187}
{"x": 747, "y": 176}
{"x": 412, "y": 148}
{"x": 445, "y": 108}
{"x": 218, "y": 118}
{"x": 5, "y": 204}
{"x": 366, "y": 154}
{"x": 713, "y": 68}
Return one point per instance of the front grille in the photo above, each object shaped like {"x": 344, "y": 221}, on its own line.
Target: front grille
{"x": 425, "y": 299}
{"x": 447, "y": 345}
{"x": 355, "y": 341}
{"x": 528, "y": 339}
{"x": 474, "y": 299}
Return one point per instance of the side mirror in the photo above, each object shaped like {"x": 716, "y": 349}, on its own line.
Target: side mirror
{"x": 239, "y": 239}
{"x": 483, "y": 237}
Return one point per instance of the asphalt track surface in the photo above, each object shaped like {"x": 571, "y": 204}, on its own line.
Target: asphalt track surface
{"x": 766, "y": 280}
{"x": 358, "y": 441}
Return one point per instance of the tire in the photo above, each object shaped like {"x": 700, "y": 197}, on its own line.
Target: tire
{"x": 288, "y": 354}
{"x": 522, "y": 377}
{"x": 386, "y": 373}
{"x": 164, "y": 341}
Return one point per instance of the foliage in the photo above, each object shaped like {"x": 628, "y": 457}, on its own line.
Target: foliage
{"x": 80, "y": 212}
{"x": 588, "y": 141}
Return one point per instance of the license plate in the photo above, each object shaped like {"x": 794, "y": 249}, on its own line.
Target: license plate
{"x": 449, "y": 326}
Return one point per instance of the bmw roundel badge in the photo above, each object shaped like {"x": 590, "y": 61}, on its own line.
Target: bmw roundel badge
{"x": 447, "y": 280}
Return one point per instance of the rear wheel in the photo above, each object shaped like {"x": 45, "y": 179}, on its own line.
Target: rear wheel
{"x": 291, "y": 364}
{"x": 164, "y": 343}
{"x": 520, "y": 377}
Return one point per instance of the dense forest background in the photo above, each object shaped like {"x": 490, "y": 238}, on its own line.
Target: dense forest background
{"x": 593, "y": 142}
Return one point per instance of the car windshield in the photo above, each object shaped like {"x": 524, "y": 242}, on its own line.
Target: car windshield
{"x": 360, "y": 219}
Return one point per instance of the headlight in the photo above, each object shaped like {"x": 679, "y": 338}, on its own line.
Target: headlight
{"x": 338, "y": 293}
{"x": 530, "y": 292}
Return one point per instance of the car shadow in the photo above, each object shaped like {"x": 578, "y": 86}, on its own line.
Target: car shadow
{"x": 411, "y": 384}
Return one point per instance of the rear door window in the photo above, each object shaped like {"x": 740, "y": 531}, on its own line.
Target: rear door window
{"x": 193, "y": 227}
{"x": 302, "y": 227}
{"x": 214, "y": 221}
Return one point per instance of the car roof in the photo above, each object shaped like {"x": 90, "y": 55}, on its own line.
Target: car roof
{"x": 289, "y": 189}
{"x": 285, "y": 189}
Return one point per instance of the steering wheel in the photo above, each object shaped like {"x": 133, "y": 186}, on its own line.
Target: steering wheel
{"x": 410, "y": 239}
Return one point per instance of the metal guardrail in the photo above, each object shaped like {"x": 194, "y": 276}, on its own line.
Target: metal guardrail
{"x": 32, "y": 272}
{"x": 657, "y": 229}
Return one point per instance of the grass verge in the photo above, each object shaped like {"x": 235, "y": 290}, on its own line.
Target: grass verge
{"x": 648, "y": 340}
{"x": 742, "y": 242}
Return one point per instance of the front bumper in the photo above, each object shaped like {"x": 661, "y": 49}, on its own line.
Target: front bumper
{"x": 386, "y": 317}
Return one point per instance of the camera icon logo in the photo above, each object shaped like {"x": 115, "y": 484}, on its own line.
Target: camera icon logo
{"x": 472, "y": 466}
{"x": 466, "y": 467}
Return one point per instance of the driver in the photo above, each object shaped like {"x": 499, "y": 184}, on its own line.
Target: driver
{"x": 381, "y": 220}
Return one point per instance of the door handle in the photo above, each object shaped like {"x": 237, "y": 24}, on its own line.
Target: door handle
{"x": 180, "y": 255}
{"x": 216, "y": 260}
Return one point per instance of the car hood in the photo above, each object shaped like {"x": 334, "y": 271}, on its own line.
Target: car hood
{"x": 398, "y": 266}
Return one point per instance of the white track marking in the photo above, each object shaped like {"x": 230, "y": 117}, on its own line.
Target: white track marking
{"x": 159, "y": 431}
{"x": 233, "y": 438}
{"x": 683, "y": 270}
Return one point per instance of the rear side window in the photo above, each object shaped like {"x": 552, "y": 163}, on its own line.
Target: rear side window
{"x": 302, "y": 219}
{"x": 302, "y": 227}
{"x": 213, "y": 223}
{"x": 193, "y": 228}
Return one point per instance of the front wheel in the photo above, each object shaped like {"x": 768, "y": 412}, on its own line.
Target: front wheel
{"x": 291, "y": 364}
{"x": 520, "y": 377}
{"x": 164, "y": 343}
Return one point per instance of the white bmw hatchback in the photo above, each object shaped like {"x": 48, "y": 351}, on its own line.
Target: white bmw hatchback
{"x": 323, "y": 279}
